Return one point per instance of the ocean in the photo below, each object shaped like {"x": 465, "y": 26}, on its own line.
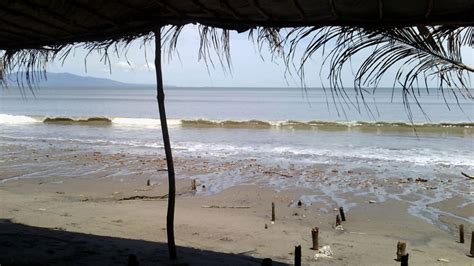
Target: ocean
{"x": 277, "y": 126}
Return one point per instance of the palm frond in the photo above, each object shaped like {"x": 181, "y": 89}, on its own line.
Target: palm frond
{"x": 431, "y": 55}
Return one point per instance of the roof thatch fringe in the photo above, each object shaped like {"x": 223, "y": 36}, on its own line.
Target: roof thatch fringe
{"x": 419, "y": 55}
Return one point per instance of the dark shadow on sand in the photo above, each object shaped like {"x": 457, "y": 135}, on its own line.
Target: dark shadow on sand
{"x": 28, "y": 245}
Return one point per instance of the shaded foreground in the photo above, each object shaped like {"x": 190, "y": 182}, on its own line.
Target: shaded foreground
{"x": 28, "y": 245}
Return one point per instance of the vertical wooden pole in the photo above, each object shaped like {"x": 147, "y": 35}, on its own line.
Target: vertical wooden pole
{"x": 343, "y": 216}
{"x": 338, "y": 220}
{"x": 298, "y": 255}
{"x": 160, "y": 97}
{"x": 315, "y": 236}
{"x": 273, "y": 211}
{"x": 472, "y": 244}
{"x": 461, "y": 233}
{"x": 404, "y": 260}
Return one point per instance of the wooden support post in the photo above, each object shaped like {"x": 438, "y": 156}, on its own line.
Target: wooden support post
{"x": 338, "y": 220}
{"x": 401, "y": 247}
{"x": 343, "y": 216}
{"x": 404, "y": 260}
{"x": 315, "y": 235}
{"x": 461, "y": 233}
{"x": 148, "y": 182}
{"x": 193, "y": 185}
{"x": 267, "y": 262}
{"x": 160, "y": 97}
{"x": 298, "y": 255}
{"x": 273, "y": 211}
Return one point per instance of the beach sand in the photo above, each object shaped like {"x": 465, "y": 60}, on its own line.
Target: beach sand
{"x": 62, "y": 219}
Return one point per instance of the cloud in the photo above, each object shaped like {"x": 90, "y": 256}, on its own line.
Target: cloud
{"x": 148, "y": 66}
{"x": 126, "y": 66}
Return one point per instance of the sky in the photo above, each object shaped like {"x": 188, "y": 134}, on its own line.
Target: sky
{"x": 250, "y": 68}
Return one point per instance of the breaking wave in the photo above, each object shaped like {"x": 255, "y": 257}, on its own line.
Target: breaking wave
{"x": 257, "y": 124}
{"x": 68, "y": 120}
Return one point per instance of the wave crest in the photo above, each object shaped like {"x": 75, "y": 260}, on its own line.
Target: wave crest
{"x": 69, "y": 120}
{"x": 376, "y": 126}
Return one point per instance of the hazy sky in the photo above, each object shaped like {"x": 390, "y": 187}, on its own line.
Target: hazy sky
{"x": 248, "y": 67}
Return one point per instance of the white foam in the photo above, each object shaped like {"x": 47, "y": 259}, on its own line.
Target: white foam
{"x": 16, "y": 119}
{"x": 143, "y": 122}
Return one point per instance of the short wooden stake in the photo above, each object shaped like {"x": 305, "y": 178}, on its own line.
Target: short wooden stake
{"x": 343, "y": 216}
{"x": 404, "y": 260}
{"x": 193, "y": 185}
{"x": 267, "y": 262}
{"x": 472, "y": 244}
{"x": 401, "y": 247}
{"x": 338, "y": 220}
{"x": 148, "y": 182}
{"x": 461, "y": 233}
{"x": 273, "y": 211}
{"x": 298, "y": 255}
{"x": 315, "y": 235}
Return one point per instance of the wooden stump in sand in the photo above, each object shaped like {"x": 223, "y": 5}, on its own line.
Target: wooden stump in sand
{"x": 472, "y": 244}
{"x": 404, "y": 260}
{"x": 338, "y": 220}
{"x": 148, "y": 182}
{"x": 273, "y": 211}
{"x": 401, "y": 247}
{"x": 461, "y": 233}
{"x": 315, "y": 235}
{"x": 298, "y": 255}
{"x": 193, "y": 185}
{"x": 343, "y": 216}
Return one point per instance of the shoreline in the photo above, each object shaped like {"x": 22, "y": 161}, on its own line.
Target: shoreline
{"x": 91, "y": 205}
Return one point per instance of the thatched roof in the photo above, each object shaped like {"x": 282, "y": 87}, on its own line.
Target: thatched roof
{"x": 36, "y": 23}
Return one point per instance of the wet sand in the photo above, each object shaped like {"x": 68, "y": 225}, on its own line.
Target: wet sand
{"x": 80, "y": 214}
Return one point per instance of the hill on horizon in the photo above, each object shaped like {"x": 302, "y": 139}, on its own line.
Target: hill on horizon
{"x": 66, "y": 79}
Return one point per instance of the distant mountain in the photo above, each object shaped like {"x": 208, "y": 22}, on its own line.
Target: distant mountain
{"x": 68, "y": 80}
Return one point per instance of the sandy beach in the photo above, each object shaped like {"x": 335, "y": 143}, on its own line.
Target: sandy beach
{"x": 107, "y": 214}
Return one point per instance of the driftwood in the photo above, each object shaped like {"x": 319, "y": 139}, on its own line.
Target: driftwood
{"x": 466, "y": 175}
{"x": 277, "y": 173}
{"x": 224, "y": 207}
{"x": 139, "y": 197}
